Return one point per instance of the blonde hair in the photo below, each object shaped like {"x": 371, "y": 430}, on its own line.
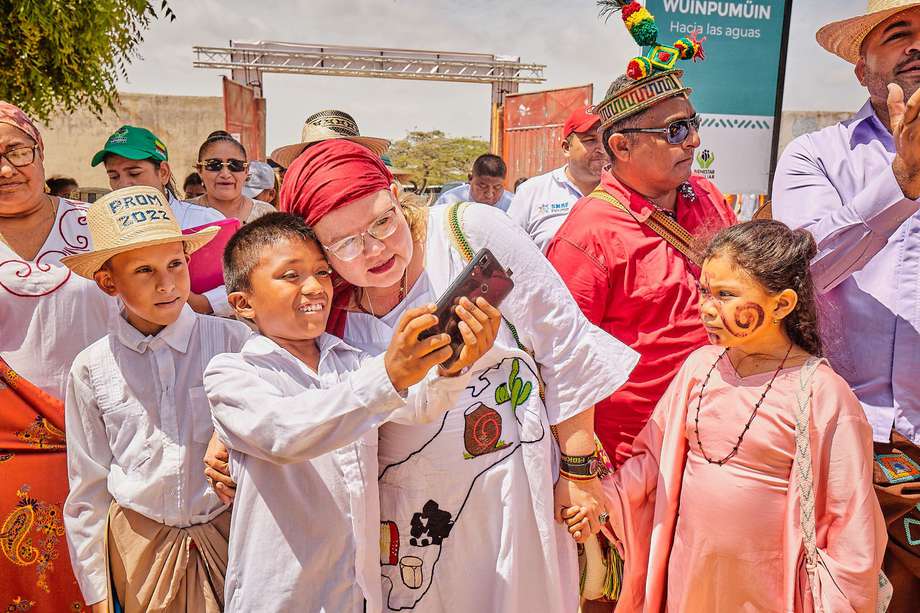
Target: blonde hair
{"x": 416, "y": 212}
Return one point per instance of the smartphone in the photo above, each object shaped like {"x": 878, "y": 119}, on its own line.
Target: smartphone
{"x": 483, "y": 276}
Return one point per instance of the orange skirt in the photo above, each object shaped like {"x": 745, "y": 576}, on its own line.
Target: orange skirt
{"x": 35, "y": 571}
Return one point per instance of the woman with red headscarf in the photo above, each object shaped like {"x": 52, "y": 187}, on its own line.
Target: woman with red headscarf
{"x": 47, "y": 316}
{"x": 466, "y": 503}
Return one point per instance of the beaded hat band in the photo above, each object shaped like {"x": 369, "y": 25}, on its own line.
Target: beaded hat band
{"x": 655, "y": 78}
{"x": 338, "y": 121}
{"x": 644, "y": 94}
{"x": 326, "y": 125}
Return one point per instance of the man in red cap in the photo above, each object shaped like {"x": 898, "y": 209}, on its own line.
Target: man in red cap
{"x": 541, "y": 204}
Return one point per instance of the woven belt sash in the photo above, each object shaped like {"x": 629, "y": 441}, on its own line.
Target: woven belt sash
{"x": 663, "y": 225}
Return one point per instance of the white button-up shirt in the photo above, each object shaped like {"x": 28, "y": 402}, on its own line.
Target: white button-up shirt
{"x": 138, "y": 426}
{"x": 838, "y": 184}
{"x": 190, "y": 215}
{"x": 303, "y": 452}
{"x": 542, "y": 203}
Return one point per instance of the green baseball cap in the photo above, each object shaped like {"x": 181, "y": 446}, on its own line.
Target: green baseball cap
{"x": 133, "y": 143}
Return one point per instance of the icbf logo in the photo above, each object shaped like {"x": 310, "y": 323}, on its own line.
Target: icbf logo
{"x": 705, "y": 158}
{"x": 704, "y": 161}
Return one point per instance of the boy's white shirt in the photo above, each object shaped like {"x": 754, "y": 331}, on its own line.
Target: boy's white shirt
{"x": 303, "y": 444}
{"x": 138, "y": 424}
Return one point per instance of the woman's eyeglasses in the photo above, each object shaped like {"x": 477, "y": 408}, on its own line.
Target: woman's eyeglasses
{"x": 350, "y": 247}
{"x": 20, "y": 156}
{"x": 675, "y": 133}
{"x": 215, "y": 165}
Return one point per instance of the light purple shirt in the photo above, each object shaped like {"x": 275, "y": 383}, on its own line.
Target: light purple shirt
{"x": 838, "y": 184}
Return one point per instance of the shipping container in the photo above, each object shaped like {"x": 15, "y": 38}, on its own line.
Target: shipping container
{"x": 532, "y": 134}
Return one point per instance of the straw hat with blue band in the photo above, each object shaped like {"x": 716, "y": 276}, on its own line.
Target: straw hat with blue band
{"x": 128, "y": 219}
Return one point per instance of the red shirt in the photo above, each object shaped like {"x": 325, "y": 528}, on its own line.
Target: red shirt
{"x": 633, "y": 284}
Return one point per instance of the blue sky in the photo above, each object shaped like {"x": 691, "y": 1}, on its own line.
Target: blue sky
{"x": 566, "y": 35}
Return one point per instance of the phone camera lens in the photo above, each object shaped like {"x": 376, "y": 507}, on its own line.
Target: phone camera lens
{"x": 484, "y": 288}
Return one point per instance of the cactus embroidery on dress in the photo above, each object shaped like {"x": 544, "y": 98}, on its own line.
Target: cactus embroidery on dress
{"x": 498, "y": 419}
{"x": 516, "y": 390}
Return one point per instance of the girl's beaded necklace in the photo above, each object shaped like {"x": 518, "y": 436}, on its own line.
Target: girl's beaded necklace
{"x": 747, "y": 426}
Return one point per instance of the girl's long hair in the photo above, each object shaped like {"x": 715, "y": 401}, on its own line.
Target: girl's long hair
{"x": 778, "y": 258}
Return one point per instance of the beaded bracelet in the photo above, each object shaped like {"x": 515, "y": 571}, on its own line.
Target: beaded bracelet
{"x": 586, "y": 467}
{"x": 570, "y": 477}
{"x": 580, "y": 465}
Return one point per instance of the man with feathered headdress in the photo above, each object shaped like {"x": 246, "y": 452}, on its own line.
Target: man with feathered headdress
{"x": 629, "y": 250}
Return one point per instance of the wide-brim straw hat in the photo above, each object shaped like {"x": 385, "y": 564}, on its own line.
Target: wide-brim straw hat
{"x": 845, "y": 38}
{"x": 327, "y": 125}
{"x": 128, "y": 219}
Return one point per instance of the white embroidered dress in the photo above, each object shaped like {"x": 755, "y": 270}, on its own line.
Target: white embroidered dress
{"x": 48, "y": 314}
{"x": 466, "y": 502}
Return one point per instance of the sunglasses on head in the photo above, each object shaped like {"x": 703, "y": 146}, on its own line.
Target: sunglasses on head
{"x": 215, "y": 165}
{"x": 675, "y": 132}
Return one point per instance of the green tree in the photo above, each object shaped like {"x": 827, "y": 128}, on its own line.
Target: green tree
{"x": 57, "y": 55}
{"x": 434, "y": 158}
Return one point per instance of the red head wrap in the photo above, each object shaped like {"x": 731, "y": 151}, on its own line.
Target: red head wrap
{"x": 330, "y": 174}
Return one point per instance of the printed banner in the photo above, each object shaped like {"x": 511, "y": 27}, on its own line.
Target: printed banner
{"x": 734, "y": 89}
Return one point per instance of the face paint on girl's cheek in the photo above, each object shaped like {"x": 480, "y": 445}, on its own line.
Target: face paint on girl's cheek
{"x": 747, "y": 319}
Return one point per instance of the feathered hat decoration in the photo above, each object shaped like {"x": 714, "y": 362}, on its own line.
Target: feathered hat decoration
{"x": 642, "y": 27}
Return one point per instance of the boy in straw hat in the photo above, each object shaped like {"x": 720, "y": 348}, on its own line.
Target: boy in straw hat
{"x": 140, "y": 516}
{"x": 136, "y": 156}
{"x": 855, "y": 187}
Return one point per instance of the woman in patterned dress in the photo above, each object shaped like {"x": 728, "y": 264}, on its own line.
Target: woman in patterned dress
{"x": 47, "y": 315}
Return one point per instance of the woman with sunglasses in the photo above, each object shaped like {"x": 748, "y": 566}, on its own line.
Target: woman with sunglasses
{"x": 466, "y": 503}
{"x": 223, "y": 166}
{"x": 47, "y": 316}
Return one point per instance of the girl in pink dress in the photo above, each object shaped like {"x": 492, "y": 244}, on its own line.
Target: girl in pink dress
{"x": 706, "y": 514}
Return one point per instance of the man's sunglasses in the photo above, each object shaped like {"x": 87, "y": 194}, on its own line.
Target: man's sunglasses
{"x": 217, "y": 165}
{"x": 675, "y": 133}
